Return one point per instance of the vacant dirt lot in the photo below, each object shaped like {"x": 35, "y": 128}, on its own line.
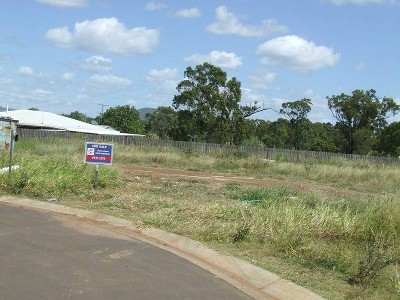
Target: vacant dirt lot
{"x": 132, "y": 172}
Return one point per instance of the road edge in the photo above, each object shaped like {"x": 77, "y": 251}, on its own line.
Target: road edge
{"x": 254, "y": 281}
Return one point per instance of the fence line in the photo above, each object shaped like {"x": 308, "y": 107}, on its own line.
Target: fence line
{"x": 288, "y": 155}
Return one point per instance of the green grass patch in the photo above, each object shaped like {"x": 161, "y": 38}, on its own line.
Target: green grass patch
{"x": 51, "y": 170}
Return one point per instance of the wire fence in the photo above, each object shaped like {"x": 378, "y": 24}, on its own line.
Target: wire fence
{"x": 288, "y": 155}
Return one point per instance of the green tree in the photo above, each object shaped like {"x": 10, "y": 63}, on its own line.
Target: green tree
{"x": 123, "y": 118}
{"x": 251, "y": 138}
{"x": 163, "y": 122}
{"x": 324, "y": 137}
{"x": 389, "y": 140}
{"x": 359, "y": 111}
{"x": 277, "y": 134}
{"x": 364, "y": 141}
{"x": 213, "y": 104}
{"x": 76, "y": 115}
{"x": 297, "y": 112}
{"x": 261, "y": 128}
{"x": 185, "y": 130}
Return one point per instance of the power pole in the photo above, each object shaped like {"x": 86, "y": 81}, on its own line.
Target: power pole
{"x": 102, "y": 107}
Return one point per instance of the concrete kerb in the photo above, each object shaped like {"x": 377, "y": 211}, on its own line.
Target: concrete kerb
{"x": 252, "y": 280}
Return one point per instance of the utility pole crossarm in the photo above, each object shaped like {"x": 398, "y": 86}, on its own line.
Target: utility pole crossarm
{"x": 102, "y": 107}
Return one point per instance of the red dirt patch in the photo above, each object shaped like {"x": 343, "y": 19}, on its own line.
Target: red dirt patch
{"x": 131, "y": 171}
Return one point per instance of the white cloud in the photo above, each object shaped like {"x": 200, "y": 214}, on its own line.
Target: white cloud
{"x": 228, "y": 23}
{"x": 5, "y": 56}
{"x": 361, "y": 2}
{"x": 262, "y": 79}
{"x": 309, "y": 94}
{"x": 1, "y": 70}
{"x": 82, "y": 97}
{"x": 222, "y": 59}
{"x": 68, "y": 76}
{"x": 249, "y": 96}
{"x": 361, "y": 66}
{"x": 161, "y": 75}
{"x": 276, "y": 102}
{"x": 41, "y": 92}
{"x": 107, "y": 35}
{"x": 97, "y": 63}
{"x": 188, "y": 13}
{"x": 164, "y": 87}
{"x": 64, "y": 3}
{"x": 296, "y": 53}
{"x": 42, "y": 75}
{"x": 5, "y": 81}
{"x": 109, "y": 81}
{"x": 25, "y": 71}
{"x": 29, "y": 72}
{"x": 164, "y": 90}
{"x": 152, "y": 6}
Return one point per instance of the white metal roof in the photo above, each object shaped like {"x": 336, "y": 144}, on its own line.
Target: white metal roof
{"x": 47, "y": 120}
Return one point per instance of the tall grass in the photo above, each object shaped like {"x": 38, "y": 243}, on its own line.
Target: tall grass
{"x": 53, "y": 170}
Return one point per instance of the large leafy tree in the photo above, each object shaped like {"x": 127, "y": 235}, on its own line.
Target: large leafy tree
{"x": 211, "y": 104}
{"x": 276, "y": 134}
{"x": 185, "y": 130}
{"x": 324, "y": 137}
{"x": 359, "y": 112}
{"x": 163, "y": 122}
{"x": 296, "y": 112}
{"x": 389, "y": 140}
{"x": 123, "y": 118}
{"x": 251, "y": 138}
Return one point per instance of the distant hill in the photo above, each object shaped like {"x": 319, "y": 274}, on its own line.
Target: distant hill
{"x": 4, "y": 108}
{"x": 144, "y": 111}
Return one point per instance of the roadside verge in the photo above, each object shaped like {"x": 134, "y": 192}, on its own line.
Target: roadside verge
{"x": 252, "y": 280}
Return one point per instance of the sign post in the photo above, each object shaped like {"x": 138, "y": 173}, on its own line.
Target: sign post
{"x": 98, "y": 154}
{"x": 11, "y": 152}
{"x": 8, "y": 135}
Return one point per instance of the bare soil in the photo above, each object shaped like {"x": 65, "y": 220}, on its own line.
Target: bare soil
{"x": 132, "y": 172}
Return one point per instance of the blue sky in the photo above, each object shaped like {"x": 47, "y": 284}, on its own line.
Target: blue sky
{"x": 67, "y": 55}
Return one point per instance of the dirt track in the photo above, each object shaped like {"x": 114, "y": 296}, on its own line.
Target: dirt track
{"x": 131, "y": 171}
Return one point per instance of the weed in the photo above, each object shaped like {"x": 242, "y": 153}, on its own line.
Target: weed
{"x": 240, "y": 234}
{"x": 232, "y": 187}
{"x": 16, "y": 183}
{"x": 369, "y": 267}
{"x": 259, "y": 196}
{"x": 280, "y": 157}
{"x": 396, "y": 278}
{"x": 240, "y": 154}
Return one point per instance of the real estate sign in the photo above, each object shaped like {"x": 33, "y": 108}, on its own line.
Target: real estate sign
{"x": 98, "y": 153}
{"x": 8, "y": 132}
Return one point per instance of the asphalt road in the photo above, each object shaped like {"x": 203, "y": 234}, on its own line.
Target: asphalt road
{"x": 50, "y": 256}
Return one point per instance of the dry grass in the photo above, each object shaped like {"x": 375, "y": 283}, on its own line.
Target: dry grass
{"x": 355, "y": 175}
{"x": 314, "y": 242}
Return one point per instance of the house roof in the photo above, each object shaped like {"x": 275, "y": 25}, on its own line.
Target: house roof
{"x": 47, "y": 120}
